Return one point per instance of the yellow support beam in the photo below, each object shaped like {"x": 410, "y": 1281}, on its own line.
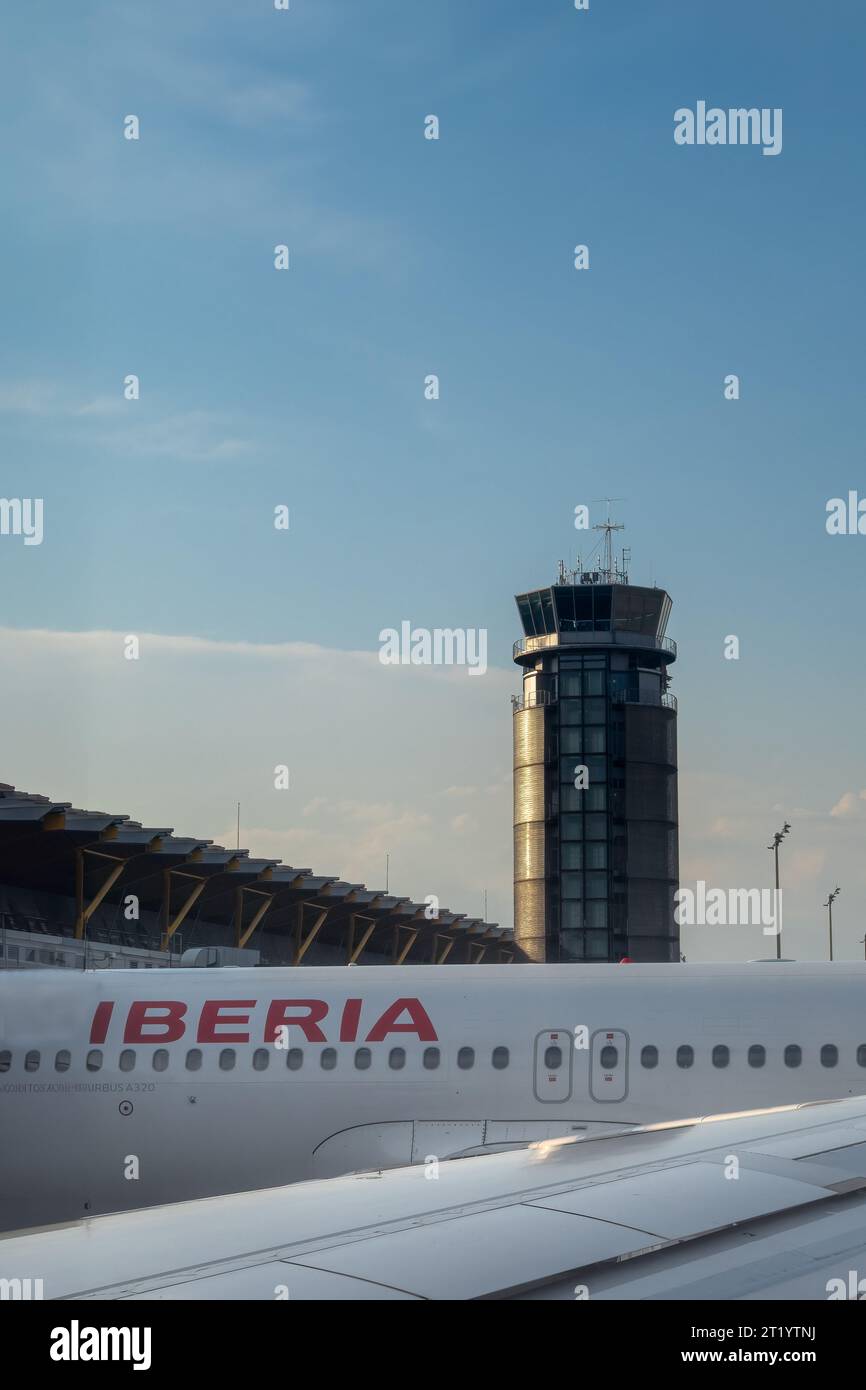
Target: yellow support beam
{"x": 449, "y": 947}
{"x": 304, "y": 945}
{"x": 83, "y": 914}
{"x": 79, "y": 894}
{"x": 413, "y": 937}
{"x": 362, "y": 943}
{"x": 243, "y": 935}
{"x": 172, "y": 923}
{"x": 103, "y": 889}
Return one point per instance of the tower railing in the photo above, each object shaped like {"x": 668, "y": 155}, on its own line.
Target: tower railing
{"x": 531, "y": 699}
{"x": 534, "y": 698}
{"x": 634, "y": 697}
{"x": 534, "y": 644}
{"x": 614, "y": 637}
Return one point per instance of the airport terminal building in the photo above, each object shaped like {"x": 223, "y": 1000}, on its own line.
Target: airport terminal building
{"x": 98, "y": 890}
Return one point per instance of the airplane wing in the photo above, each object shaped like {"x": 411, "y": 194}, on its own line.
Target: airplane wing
{"x": 767, "y": 1204}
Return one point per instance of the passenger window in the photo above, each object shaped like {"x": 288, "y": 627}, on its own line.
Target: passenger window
{"x": 193, "y": 1059}
{"x": 261, "y": 1058}
{"x": 329, "y": 1058}
{"x": 500, "y": 1058}
{"x": 397, "y": 1058}
{"x": 31, "y": 1061}
{"x": 466, "y": 1058}
{"x": 861, "y": 1056}
{"x": 829, "y": 1055}
{"x": 228, "y": 1057}
{"x": 793, "y": 1055}
{"x": 553, "y": 1057}
{"x": 127, "y": 1059}
{"x": 62, "y": 1060}
{"x": 94, "y": 1059}
{"x": 160, "y": 1059}
{"x": 649, "y": 1057}
{"x": 294, "y": 1059}
{"x": 431, "y": 1058}
{"x": 721, "y": 1055}
{"x": 5, "y": 1061}
{"x": 363, "y": 1058}
{"x": 608, "y": 1057}
{"x": 685, "y": 1055}
{"x": 757, "y": 1055}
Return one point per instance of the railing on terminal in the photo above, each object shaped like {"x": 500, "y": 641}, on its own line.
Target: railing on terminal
{"x": 28, "y": 942}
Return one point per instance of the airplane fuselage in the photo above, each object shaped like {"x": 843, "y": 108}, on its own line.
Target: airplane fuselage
{"x": 120, "y": 1090}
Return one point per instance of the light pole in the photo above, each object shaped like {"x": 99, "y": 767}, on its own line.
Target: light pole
{"x": 829, "y": 906}
{"x": 777, "y": 840}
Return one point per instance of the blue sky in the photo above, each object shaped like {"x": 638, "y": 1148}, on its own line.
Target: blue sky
{"x": 412, "y": 257}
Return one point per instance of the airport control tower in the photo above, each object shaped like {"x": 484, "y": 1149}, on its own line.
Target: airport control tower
{"x": 596, "y": 858}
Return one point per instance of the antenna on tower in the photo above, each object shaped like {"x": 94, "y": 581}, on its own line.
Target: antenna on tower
{"x": 610, "y": 574}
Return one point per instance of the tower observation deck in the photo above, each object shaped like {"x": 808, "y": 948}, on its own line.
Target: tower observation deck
{"x": 596, "y": 859}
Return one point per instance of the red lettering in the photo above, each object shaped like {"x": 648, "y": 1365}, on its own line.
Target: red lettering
{"x": 138, "y": 1019}
{"x": 101, "y": 1020}
{"x": 350, "y": 1019}
{"x": 212, "y": 1017}
{"x": 419, "y": 1022}
{"x": 308, "y": 1023}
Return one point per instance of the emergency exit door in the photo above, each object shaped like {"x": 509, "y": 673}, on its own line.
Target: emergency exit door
{"x": 553, "y": 1058}
{"x": 608, "y": 1065}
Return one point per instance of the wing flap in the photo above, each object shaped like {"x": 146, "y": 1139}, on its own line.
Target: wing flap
{"x": 597, "y": 1212}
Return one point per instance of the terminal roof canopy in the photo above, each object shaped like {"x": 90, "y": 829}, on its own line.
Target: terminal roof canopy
{"x": 91, "y": 857}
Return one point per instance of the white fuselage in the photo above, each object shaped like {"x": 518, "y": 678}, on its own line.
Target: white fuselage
{"x": 120, "y": 1090}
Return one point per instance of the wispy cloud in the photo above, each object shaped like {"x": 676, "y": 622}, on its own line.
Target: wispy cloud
{"x": 850, "y": 804}
{"x": 190, "y": 436}
{"x": 134, "y": 428}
